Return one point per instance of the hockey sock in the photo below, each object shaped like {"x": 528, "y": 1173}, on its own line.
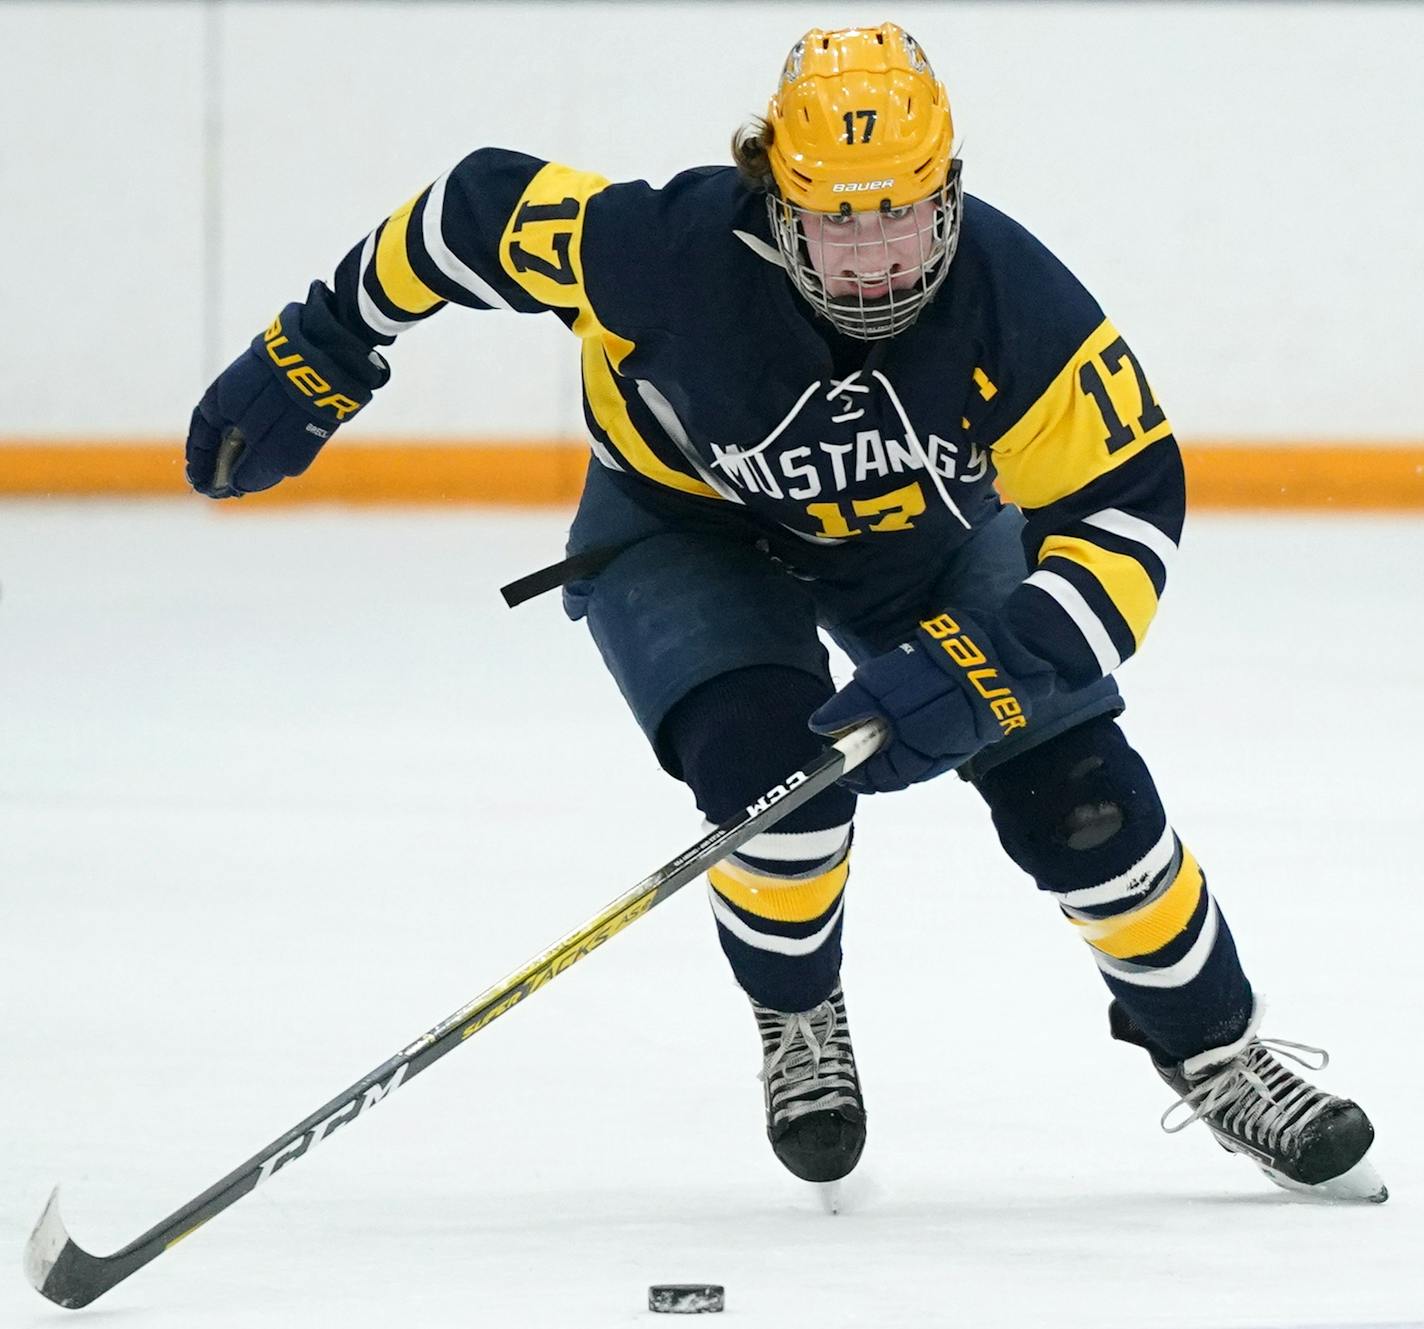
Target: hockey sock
{"x": 1081, "y": 815}
{"x": 779, "y": 901}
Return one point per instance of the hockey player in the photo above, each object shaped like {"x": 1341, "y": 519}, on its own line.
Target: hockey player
{"x": 808, "y": 379}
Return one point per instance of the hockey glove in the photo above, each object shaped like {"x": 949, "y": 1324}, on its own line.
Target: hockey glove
{"x": 280, "y": 400}
{"x": 945, "y": 694}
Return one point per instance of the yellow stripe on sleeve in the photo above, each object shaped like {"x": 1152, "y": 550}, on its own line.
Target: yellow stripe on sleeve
{"x": 774, "y": 897}
{"x": 611, "y": 412}
{"x": 1064, "y": 440}
{"x": 1123, "y": 578}
{"x": 393, "y": 271}
{"x": 542, "y": 250}
{"x": 1144, "y": 930}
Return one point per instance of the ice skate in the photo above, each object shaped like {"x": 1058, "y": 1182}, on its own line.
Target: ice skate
{"x": 815, "y": 1117}
{"x": 1301, "y": 1137}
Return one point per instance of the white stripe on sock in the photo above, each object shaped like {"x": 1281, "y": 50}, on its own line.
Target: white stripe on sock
{"x": 765, "y": 941}
{"x": 1174, "y": 975}
{"x": 793, "y": 846}
{"x": 1138, "y": 878}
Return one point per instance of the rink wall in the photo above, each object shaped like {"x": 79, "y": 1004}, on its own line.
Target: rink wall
{"x": 1233, "y": 181}
{"x": 1343, "y": 477}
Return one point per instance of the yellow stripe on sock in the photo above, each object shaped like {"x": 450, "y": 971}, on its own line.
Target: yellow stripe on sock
{"x": 1150, "y": 927}
{"x": 775, "y": 897}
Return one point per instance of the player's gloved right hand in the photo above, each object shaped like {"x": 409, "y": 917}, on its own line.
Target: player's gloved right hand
{"x": 271, "y": 409}
{"x": 946, "y": 694}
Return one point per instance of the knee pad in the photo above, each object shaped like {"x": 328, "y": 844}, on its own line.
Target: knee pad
{"x": 736, "y": 735}
{"x": 1076, "y": 809}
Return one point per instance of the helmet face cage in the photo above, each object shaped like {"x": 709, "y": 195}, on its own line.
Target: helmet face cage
{"x": 862, "y": 254}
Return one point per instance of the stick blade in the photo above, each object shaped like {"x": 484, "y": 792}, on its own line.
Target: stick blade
{"x": 56, "y": 1267}
{"x": 46, "y": 1243}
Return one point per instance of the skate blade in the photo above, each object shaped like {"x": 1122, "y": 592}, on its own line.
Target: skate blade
{"x": 1360, "y": 1184}
{"x": 829, "y": 1193}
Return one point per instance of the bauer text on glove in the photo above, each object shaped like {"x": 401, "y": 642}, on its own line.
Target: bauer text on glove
{"x": 283, "y": 397}
{"x": 948, "y": 692}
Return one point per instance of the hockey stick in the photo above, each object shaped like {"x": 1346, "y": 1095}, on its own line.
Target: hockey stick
{"x": 70, "y": 1276}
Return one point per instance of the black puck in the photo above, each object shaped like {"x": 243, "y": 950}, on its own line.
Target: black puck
{"x": 686, "y": 1298}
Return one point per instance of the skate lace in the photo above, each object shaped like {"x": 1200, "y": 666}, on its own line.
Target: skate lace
{"x": 1255, "y": 1097}
{"x": 811, "y": 1067}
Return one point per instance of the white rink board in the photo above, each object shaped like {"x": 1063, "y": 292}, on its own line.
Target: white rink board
{"x": 279, "y": 792}
{"x": 1232, "y": 181}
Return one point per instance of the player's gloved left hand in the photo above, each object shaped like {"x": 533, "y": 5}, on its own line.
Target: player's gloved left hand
{"x": 267, "y": 415}
{"x": 945, "y": 694}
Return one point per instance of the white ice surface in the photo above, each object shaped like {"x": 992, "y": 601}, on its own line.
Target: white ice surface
{"x": 280, "y": 791}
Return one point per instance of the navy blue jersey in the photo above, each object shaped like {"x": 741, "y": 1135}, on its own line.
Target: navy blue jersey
{"x": 707, "y": 379}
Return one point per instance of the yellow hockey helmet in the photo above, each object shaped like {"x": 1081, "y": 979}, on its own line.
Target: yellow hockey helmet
{"x": 859, "y": 117}
{"x": 865, "y": 197}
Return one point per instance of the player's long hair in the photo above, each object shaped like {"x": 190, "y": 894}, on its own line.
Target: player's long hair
{"x": 751, "y": 154}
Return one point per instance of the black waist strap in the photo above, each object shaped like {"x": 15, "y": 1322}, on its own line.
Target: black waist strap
{"x": 583, "y": 564}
